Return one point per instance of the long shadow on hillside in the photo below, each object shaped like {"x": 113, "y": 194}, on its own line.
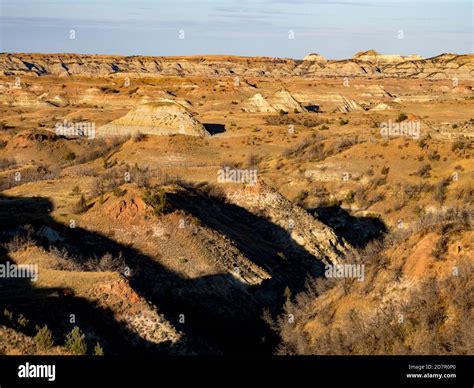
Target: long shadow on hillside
{"x": 358, "y": 231}
{"x": 260, "y": 240}
{"x": 53, "y": 306}
{"x": 264, "y": 243}
{"x": 220, "y": 315}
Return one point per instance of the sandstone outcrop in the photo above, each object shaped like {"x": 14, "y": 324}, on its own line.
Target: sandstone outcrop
{"x": 158, "y": 118}
{"x": 349, "y": 105}
{"x": 280, "y": 101}
{"x": 313, "y": 57}
{"x": 257, "y": 104}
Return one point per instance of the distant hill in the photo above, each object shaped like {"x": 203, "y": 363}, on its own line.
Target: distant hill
{"x": 368, "y": 63}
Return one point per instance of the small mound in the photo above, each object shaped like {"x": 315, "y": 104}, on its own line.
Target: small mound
{"x": 257, "y": 104}
{"x": 160, "y": 118}
{"x": 366, "y": 55}
{"x": 349, "y": 106}
{"x": 284, "y": 101}
{"x": 129, "y": 207}
{"x": 313, "y": 57}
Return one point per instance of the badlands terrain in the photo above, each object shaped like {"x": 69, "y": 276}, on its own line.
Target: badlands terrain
{"x": 192, "y": 205}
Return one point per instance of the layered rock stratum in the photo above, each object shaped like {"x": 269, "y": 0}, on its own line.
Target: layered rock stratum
{"x": 375, "y": 57}
{"x": 280, "y": 101}
{"x": 369, "y": 63}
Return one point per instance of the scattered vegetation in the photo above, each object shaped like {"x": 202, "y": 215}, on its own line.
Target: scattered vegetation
{"x": 315, "y": 149}
{"x": 100, "y": 148}
{"x": 461, "y": 146}
{"x": 434, "y": 318}
{"x": 301, "y": 119}
{"x": 415, "y": 191}
{"x": 424, "y": 171}
{"x": 6, "y": 163}
{"x": 66, "y": 261}
{"x": 440, "y": 190}
{"x": 32, "y": 174}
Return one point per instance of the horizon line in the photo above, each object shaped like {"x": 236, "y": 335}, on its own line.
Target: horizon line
{"x": 227, "y": 55}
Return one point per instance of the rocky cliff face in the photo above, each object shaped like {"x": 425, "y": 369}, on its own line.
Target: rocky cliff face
{"x": 311, "y": 234}
{"x": 369, "y": 63}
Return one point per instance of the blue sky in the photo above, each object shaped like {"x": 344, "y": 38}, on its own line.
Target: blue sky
{"x": 335, "y": 29}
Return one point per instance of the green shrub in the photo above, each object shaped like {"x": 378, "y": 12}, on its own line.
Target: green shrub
{"x": 424, "y": 171}
{"x": 76, "y": 342}
{"x": 44, "y": 337}
{"x": 350, "y": 197}
{"x": 401, "y": 117}
{"x": 70, "y": 156}
{"x": 22, "y": 321}
{"x": 8, "y": 314}
{"x": 156, "y": 198}
{"x": 98, "y": 351}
